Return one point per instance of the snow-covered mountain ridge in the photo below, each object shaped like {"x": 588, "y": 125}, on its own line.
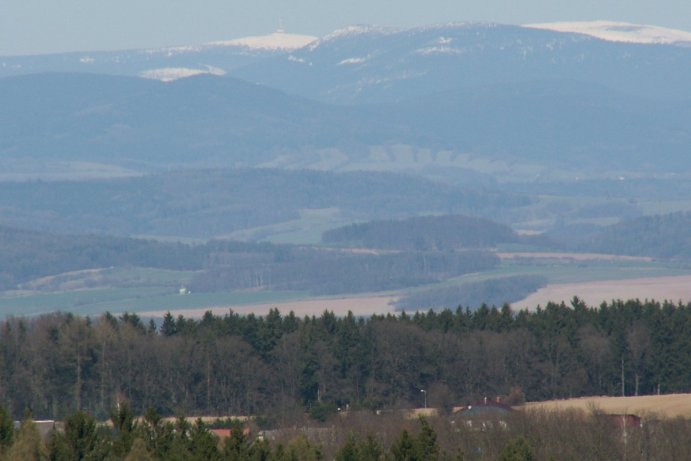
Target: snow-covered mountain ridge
{"x": 369, "y": 64}
{"x": 358, "y": 62}
{"x": 620, "y": 32}
{"x": 277, "y": 41}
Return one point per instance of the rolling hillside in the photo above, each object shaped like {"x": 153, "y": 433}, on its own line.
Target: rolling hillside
{"x": 509, "y": 131}
{"x": 200, "y": 121}
{"x": 205, "y": 203}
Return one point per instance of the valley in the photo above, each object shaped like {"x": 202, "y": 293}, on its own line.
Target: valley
{"x": 326, "y": 234}
{"x": 476, "y": 163}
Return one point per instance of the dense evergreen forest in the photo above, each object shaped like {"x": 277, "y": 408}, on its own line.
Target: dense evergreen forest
{"x": 660, "y": 236}
{"x": 493, "y": 292}
{"x": 424, "y": 233}
{"x": 281, "y": 364}
{"x": 322, "y": 271}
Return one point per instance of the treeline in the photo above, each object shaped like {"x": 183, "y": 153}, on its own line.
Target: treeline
{"x": 277, "y": 365}
{"x": 322, "y": 271}
{"x": 225, "y": 265}
{"x": 661, "y": 236}
{"x": 494, "y": 291}
{"x": 210, "y": 203}
{"x": 26, "y": 255}
{"x": 352, "y": 436}
{"x": 423, "y": 233}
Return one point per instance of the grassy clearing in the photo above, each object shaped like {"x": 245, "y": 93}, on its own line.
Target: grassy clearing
{"x": 82, "y": 301}
{"x": 97, "y": 301}
{"x": 307, "y": 230}
{"x": 112, "y": 277}
{"x": 571, "y": 271}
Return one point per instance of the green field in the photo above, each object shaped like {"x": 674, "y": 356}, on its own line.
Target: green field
{"x": 98, "y": 301}
{"x": 307, "y": 230}
{"x": 559, "y": 271}
{"x": 140, "y": 289}
{"x": 580, "y": 271}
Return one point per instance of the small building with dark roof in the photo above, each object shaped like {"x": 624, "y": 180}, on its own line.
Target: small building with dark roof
{"x": 484, "y": 415}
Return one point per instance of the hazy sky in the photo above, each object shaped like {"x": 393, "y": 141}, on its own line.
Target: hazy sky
{"x": 41, "y": 26}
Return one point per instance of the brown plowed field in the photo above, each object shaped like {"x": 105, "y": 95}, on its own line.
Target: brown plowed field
{"x": 359, "y": 306}
{"x": 670, "y": 406}
{"x": 675, "y": 288}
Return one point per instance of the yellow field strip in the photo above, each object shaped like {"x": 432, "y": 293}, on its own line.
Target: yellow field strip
{"x": 670, "y": 405}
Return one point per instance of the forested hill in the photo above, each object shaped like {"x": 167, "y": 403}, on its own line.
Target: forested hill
{"x": 208, "y": 120}
{"x": 225, "y": 265}
{"x": 237, "y": 365}
{"x": 26, "y": 254}
{"x": 661, "y": 236}
{"x": 213, "y": 203}
{"x": 423, "y": 233}
{"x": 326, "y": 271}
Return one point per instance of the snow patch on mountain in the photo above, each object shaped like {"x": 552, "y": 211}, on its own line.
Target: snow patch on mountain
{"x": 278, "y": 41}
{"x": 440, "y": 46}
{"x": 431, "y": 50}
{"x": 353, "y": 61}
{"x": 369, "y": 31}
{"x": 169, "y": 74}
{"x": 352, "y": 32}
{"x": 293, "y": 58}
{"x": 355, "y": 30}
{"x": 172, "y": 50}
{"x": 620, "y": 32}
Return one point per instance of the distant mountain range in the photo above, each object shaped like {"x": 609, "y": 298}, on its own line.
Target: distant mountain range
{"x": 511, "y": 131}
{"x": 568, "y": 128}
{"x": 471, "y": 105}
{"x": 365, "y": 65}
{"x": 146, "y": 124}
{"x": 369, "y": 64}
{"x": 169, "y": 63}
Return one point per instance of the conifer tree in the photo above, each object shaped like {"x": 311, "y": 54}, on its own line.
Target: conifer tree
{"x": 6, "y": 430}
{"x": 236, "y": 447}
{"x": 404, "y": 448}
{"x": 349, "y": 451}
{"x": 168, "y": 327}
{"x": 124, "y": 426}
{"x": 203, "y": 444}
{"x": 300, "y": 449}
{"x": 517, "y": 449}
{"x": 426, "y": 442}
{"x": 79, "y": 441}
{"x": 139, "y": 452}
{"x": 28, "y": 445}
